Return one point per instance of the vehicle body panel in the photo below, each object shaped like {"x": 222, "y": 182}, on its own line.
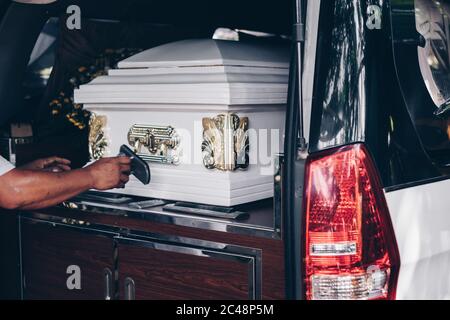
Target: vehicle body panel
{"x": 420, "y": 217}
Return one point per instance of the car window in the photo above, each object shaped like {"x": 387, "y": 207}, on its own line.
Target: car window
{"x": 433, "y": 23}
{"x": 433, "y": 121}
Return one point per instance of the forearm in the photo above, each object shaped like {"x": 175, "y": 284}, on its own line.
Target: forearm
{"x": 25, "y": 189}
{"x": 51, "y": 200}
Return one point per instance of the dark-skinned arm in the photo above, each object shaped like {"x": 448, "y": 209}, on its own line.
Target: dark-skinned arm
{"x": 29, "y": 190}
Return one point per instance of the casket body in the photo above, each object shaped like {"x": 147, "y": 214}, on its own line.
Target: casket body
{"x": 207, "y": 115}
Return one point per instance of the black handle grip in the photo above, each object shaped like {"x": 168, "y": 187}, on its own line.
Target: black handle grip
{"x": 139, "y": 168}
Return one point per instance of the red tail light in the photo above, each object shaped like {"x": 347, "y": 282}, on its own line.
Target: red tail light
{"x": 350, "y": 251}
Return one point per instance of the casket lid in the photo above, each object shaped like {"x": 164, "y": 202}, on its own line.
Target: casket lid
{"x": 196, "y": 72}
{"x": 209, "y": 52}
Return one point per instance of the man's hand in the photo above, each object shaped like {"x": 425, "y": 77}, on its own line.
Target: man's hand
{"x": 110, "y": 173}
{"x": 53, "y": 164}
{"x": 30, "y": 190}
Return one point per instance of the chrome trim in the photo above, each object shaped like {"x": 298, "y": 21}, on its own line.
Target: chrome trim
{"x": 62, "y": 222}
{"x": 109, "y": 284}
{"x": 194, "y": 243}
{"x": 129, "y": 289}
{"x": 208, "y": 223}
{"x": 125, "y": 233}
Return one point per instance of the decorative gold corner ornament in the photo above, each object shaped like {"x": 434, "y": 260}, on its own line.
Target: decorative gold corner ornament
{"x": 155, "y": 143}
{"x": 97, "y": 138}
{"x": 225, "y": 142}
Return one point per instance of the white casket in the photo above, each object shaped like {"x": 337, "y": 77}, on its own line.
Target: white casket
{"x": 208, "y": 116}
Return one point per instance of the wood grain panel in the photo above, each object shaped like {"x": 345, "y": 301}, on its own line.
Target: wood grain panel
{"x": 47, "y": 251}
{"x": 170, "y": 275}
{"x": 273, "y": 277}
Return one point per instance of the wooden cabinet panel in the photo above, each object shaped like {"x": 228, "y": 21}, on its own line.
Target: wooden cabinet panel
{"x": 272, "y": 250}
{"x": 49, "y": 250}
{"x": 161, "y": 271}
{"x": 145, "y": 266}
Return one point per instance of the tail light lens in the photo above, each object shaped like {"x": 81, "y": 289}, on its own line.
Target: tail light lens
{"x": 350, "y": 252}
